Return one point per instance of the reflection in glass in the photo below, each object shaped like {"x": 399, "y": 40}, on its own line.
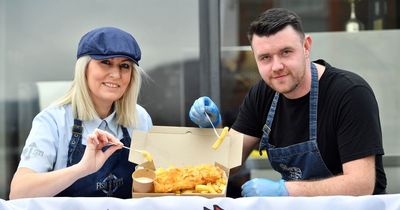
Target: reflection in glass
{"x": 353, "y": 24}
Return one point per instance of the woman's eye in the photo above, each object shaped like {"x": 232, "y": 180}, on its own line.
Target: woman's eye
{"x": 107, "y": 62}
{"x": 125, "y": 66}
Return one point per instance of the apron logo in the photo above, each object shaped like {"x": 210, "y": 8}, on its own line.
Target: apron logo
{"x": 32, "y": 151}
{"x": 294, "y": 172}
{"x": 110, "y": 184}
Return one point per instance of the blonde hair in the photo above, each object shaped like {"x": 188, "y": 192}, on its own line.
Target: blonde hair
{"x": 83, "y": 109}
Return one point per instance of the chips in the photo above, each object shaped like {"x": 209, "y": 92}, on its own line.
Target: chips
{"x": 204, "y": 178}
{"x": 146, "y": 155}
{"x": 220, "y": 139}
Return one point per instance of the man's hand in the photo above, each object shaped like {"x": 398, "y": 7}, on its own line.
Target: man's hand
{"x": 264, "y": 187}
{"x": 201, "y": 106}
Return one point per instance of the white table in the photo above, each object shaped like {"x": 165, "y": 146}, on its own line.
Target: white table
{"x": 377, "y": 202}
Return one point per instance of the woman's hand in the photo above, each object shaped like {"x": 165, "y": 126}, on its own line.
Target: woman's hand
{"x": 28, "y": 183}
{"x": 94, "y": 157}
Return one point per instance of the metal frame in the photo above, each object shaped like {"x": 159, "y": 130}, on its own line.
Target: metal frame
{"x": 210, "y": 55}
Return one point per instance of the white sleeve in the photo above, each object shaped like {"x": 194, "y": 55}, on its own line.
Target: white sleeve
{"x": 39, "y": 153}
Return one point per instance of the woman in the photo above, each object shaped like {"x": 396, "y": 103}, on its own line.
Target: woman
{"x": 65, "y": 153}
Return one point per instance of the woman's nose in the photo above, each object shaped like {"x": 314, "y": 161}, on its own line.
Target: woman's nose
{"x": 115, "y": 72}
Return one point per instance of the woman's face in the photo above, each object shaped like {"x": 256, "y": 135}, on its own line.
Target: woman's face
{"x": 108, "y": 79}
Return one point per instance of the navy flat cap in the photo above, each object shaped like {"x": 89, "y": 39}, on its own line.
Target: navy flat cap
{"x": 109, "y": 42}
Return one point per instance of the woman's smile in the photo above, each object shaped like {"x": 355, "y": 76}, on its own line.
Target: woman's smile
{"x": 111, "y": 85}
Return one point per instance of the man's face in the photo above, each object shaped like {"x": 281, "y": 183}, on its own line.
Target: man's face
{"x": 282, "y": 60}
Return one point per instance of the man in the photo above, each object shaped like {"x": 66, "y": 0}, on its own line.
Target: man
{"x": 319, "y": 124}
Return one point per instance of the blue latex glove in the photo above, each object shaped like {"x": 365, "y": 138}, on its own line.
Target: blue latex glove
{"x": 264, "y": 187}
{"x": 197, "y": 115}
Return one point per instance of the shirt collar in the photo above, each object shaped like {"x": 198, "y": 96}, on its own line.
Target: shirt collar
{"x": 95, "y": 123}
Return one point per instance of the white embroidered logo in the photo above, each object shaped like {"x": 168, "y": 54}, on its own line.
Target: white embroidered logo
{"x": 110, "y": 184}
{"x": 32, "y": 151}
{"x": 294, "y": 172}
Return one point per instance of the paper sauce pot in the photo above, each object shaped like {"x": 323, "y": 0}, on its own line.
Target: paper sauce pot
{"x": 143, "y": 180}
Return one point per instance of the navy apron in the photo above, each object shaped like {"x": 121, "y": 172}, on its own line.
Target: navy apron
{"x": 300, "y": 161}
{"x": 112, "y": 179}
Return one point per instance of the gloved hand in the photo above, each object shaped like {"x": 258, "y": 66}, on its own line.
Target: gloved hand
{"x": 264, "y": 187}
{"x": 197, "y": 115}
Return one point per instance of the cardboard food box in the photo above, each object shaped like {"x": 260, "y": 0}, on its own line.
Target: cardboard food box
{"x": 186, "y": 146}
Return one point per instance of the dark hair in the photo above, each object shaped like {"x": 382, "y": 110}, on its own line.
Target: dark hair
{"x": 272, "y": 21}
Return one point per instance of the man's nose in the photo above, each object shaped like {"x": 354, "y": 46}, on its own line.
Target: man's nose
{"x": 276, "y": 63}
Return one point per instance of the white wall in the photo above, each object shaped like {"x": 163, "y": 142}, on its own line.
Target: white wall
{"x": 373, "y": 55}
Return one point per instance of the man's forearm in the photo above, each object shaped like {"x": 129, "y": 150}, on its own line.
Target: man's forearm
{"x": 337, "y": 185}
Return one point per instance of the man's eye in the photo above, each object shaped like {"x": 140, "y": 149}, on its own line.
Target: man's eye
{"x": 265, "y": 58}
{"x": 286, "y": 52}
{"x": 107, "y": 62}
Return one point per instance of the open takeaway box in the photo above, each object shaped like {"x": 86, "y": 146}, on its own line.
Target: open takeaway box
{"x": 184, "y": 146}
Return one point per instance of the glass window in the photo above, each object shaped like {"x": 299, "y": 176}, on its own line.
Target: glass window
{"x": 357, "y": 35}
{"x": 38, "y": 42}
{"x": 326, "y": 21}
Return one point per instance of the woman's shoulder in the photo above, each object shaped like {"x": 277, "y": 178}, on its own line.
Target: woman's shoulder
{"x": 56, "y": 109}
{"x": 140, "y": 109}
{"x": 144, "y": 119}
{"x": 56, "y": 112}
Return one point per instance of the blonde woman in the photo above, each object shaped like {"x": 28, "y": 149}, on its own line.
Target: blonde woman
{"x": 75, "y": 146}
